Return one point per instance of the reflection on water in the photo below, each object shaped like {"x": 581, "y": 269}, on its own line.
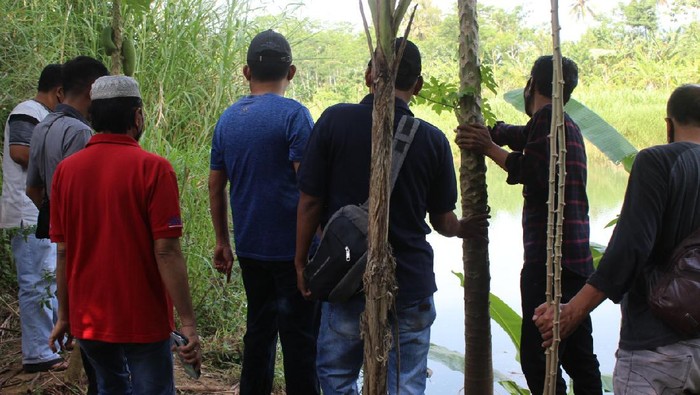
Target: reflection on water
{"x": 605, "y": 189}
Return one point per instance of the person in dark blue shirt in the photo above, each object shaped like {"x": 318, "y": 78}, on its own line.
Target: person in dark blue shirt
{"x": 335, "y": 172}
{"x": 257, "y": 145}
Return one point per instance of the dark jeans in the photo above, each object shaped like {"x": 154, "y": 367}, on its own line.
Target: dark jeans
{"x": 275, "y": 306}
{"x": 575, "y": 353}
{"x": 89, "y": 372}
{"x": 131, "y": 368}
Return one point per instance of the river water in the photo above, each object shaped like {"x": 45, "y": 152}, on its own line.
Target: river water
{"x": 605, "y": 189}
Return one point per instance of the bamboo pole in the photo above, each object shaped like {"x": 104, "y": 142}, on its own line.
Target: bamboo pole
{"x": 556, "y": 202}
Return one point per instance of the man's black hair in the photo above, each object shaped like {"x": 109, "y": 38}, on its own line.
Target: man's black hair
{"x": 542, "y": 71}
{"x": 269, "y": 71}
{"x": 410, "y": 67}
{"x": 684, "y": 105}
{"x": 115, "y": 115}
{"x": 79, "y": 74}
{"x": 50, "y": 78}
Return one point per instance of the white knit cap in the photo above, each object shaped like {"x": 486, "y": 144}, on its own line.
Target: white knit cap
{"x": 112, "y": 86}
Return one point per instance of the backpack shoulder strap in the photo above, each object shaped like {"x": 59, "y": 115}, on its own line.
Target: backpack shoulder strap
{"x": 403, "y": 137}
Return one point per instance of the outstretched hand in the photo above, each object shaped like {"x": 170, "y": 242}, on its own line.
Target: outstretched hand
{"x": 473, "y": 137}
{"x": 223, "y": 260}
{"x": 475, "y": 226}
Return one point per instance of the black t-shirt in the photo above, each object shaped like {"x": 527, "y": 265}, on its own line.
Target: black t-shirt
{"x": 336, "y": 167}
{"x": 661, "y": 208}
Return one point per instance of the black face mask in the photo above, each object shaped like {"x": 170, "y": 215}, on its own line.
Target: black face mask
{"x": 671, "y": 132}
{"x": 527, "y": 97}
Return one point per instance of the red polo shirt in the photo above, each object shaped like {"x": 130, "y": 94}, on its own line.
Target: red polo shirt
{"x": 109, "y": 202}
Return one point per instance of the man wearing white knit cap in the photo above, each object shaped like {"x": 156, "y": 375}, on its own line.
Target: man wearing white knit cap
{"x": 116, "y": 218}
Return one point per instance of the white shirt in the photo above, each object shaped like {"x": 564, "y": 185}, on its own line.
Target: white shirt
{"x": 16, "y": 209}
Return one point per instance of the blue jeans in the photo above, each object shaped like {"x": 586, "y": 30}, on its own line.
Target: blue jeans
{"x": 35, "y": 260}
{"x": 275, "y": 306}
{"x": 340, "y": 347}
{"x": 131, "y": 368}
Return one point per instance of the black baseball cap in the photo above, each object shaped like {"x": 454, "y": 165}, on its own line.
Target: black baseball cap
{"x": 269, "y": 46}
{"x": 410, "y": 66}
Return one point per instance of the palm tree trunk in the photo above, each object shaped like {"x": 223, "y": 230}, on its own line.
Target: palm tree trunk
{"x": 478, "y": 370}
{"x": 117, "y": 29}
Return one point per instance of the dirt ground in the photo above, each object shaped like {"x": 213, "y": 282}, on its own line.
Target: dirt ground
{"x": 14, "y": 381}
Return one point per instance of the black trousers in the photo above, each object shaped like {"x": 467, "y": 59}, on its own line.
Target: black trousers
{"x": 276, "y": 307}
{"x": 575, "y": 353}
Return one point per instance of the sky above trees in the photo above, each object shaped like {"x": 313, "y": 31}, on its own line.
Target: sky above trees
{"x": 336, "y": 11}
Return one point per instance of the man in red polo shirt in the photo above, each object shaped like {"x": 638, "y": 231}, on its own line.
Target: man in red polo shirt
{"x": 116, "y": 218}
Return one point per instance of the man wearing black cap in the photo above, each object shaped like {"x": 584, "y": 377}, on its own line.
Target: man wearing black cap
{"x": 257, "y": 145}
{"x": 334, "y": 173}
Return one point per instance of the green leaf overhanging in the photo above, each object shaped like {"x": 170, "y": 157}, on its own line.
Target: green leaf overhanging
{"x": 594, "y": 128}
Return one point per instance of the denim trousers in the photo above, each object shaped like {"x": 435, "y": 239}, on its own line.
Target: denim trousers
{"x": 35, "y": 260}
{"x": 131, "y": 368}
{"x": 575, "y": 352}
{"x": 671, "y": 369}
{"x": 276, "y": 308}
{"x": 340, "y": 348}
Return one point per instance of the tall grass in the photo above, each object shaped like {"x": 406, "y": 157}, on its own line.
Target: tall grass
{"x": 189, "y": 59}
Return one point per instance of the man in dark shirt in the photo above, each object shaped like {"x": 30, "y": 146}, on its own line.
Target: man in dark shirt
{"x": 335, "y": 172}
{"x": 661, "y": 208}
{"x": 62, "y": 134}
{"x": 528, "y": 164}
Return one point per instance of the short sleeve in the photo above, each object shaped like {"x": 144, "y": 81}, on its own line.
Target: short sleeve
{"x": 298, "y": 133}
{"x": 442, "y": 196}
{"x": 313, "y": 171}
{"x": 216, "y": 159}
{"x": 21, "y": 128}
{"x": 164, "y": 204}
{"x": 56, "y": 228}
{"x": 36, "y": 158}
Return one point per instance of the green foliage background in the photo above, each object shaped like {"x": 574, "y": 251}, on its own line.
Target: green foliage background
{"x": 189, "y": 59}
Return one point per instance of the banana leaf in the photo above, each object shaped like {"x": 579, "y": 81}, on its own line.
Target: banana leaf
{"x": 455, "y": 361}
{"x": 507, "y": 319}
{"x": 594, "y": 129}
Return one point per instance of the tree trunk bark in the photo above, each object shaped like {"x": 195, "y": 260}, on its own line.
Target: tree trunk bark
{"x": 379, "y": 278}
{"x": 117, "y": 28}
{"x": 478, "y": 370}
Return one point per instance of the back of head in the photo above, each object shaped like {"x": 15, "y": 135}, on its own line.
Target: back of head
{"x": 410, "y": 67}
{"x": 543, "y": 70}
{"x": 115, "y": 100}
{"x": 79, "y": 74}
{"x": 50, "y": 78}
{"x": 269, "y": 56}
{"x": 684, "y": 105}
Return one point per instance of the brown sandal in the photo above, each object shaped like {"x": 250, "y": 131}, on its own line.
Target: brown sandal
{"x": 56, "y": 365}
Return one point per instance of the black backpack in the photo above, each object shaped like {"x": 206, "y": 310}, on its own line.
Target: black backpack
{"x": 334, "y": 273}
